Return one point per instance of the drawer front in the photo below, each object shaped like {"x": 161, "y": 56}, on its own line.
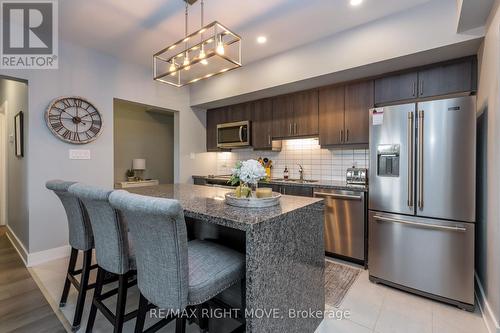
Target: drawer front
{"x": 432, "y": 256}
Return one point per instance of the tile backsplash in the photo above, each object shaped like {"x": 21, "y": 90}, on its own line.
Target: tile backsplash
{"x": 318, "y": 163}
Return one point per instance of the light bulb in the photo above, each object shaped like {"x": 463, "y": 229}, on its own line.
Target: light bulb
{"x": 220, "y": 46}
{"x": 186, "y": 62}
{"x": 202, "y": 56}
{"x": 173, "y": 68}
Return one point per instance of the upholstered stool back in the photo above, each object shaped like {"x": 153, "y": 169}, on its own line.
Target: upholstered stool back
{"x": 80, "y": 230}
{"x": 160, "y": 239}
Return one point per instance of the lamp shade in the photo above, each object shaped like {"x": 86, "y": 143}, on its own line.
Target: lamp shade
{"x": 139, "y": 164}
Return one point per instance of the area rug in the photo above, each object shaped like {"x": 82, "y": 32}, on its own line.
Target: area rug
{"x": 338, "y": 279}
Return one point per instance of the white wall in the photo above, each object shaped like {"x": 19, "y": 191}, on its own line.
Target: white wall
{"x": 422, "y": 28}
{"x": 100, "y": 78}
{"x": 488, "y": 210}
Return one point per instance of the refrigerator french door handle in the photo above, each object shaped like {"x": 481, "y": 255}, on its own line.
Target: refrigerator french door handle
{"x": 421, "y": 159}
{"x": 410, "y": 158}
{"x": 417, "y": 224}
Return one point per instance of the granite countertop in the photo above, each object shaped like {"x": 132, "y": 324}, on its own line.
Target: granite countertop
{"x": 333, "y": 184}
{"x": 207, "y": 203}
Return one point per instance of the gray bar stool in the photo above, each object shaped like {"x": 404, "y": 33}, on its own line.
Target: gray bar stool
{"x": 80, "y": 239}
{"x": 173, "y": 273}
{"x": 114, "y": 253}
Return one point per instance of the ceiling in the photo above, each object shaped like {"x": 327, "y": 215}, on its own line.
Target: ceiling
{"x": 134, "y": 30}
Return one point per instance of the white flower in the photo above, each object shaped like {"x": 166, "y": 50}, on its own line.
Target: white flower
{"x": 250, "y": 171}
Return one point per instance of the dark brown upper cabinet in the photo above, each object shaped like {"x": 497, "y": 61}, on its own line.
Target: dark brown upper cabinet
{"x": 239, "y": 112}
{"x": 396, "y": 88}
{"x": 262, "y": 124}
{"x": 344, "y": 115}
{"x": 282, "y": 116}
{"x": 358, "y": 101}
{"x": 215, "y": 117}
{"x": 446, "y": 78}
{"x": 305, "y": 112}
{"x": 295, "y": 115}
{"x": 331, "y": 115}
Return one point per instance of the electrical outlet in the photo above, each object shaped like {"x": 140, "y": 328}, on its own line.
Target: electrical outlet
{"x": 192, "y": 156}
{"x": 79, "y": 154}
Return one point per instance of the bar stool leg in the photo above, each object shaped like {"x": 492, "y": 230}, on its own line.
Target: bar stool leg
{"x": 180, "y": 325}
{"x": 84, "y": 282}
{"x": 101, "y": 274}
{"x": 67, "y": 282}
{"x": 121, "y": 302}
{"x": 141, "y": 314}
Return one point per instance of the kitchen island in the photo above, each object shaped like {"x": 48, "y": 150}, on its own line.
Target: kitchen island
{"x": 284, "y": 251}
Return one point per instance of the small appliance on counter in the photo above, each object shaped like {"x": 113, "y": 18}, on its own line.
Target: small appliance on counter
{"x": 357, "y": 176}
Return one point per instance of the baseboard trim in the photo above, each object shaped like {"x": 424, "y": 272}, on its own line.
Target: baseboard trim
{"x": 488, "y": 316}
{"x": 16, "y": 243}
{"x": 37, "y": 258}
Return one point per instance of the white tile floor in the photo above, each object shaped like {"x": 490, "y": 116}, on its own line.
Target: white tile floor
{"x": 373, "y": 308}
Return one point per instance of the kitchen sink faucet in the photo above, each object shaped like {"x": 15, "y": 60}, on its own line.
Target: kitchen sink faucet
{"x": 301, "y": 172}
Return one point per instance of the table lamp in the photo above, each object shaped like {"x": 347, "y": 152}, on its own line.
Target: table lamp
{"x": 139, "y": 165}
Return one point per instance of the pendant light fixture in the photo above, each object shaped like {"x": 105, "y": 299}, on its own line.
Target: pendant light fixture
{"x": 212, "y": 50}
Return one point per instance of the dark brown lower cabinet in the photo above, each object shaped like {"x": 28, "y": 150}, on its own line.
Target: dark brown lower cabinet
{"x": 288, "y": 189}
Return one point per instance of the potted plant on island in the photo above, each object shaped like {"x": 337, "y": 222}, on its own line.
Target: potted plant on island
{"x": 130, "y": 175}
{"x": 246, "y": 175}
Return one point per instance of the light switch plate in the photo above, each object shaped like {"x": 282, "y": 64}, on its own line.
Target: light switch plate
{"x": 79, "y": 154}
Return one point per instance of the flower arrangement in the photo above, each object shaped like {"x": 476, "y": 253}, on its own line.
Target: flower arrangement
{"x": 247, "y": 172}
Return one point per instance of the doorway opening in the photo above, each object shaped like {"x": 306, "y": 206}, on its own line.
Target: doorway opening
{"x": 3, "y": 164}
{"x": 144, "y": 144}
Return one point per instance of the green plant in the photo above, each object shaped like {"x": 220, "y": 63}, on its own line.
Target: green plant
{"x": 130, "y": 173}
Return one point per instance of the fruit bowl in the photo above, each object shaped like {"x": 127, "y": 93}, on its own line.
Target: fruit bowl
{"x": 252, "y": 202}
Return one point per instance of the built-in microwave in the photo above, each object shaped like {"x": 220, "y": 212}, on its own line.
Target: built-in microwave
{"x": 233, "y": 135}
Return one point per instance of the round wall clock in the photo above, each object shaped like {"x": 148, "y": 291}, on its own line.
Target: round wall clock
{"x": 74, "y": 120}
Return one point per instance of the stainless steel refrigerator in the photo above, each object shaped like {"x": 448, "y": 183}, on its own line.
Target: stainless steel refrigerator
{"x": 422, "y": 198}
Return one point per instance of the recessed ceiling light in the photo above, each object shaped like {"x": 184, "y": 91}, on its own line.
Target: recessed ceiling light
{"x": 261, "y": 39}
{"x": 356, "y": 2}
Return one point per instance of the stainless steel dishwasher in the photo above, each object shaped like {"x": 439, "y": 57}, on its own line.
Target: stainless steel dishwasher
{"x": 345, "y": 226}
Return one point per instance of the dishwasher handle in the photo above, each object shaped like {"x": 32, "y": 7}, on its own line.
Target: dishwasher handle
{"x": 338, "y": 196}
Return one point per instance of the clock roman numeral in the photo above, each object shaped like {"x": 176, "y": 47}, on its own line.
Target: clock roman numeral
{"x": 78, "y": 103}
{"x": 66, "y": 134}
{"x": 94, "y": 130}
{"x": 67, "y": 102}
{"x": 57, "y": 126}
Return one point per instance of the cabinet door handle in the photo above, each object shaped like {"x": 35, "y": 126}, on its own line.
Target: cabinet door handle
{"x": 421, "y": 87}
{"x": 290, "y": 128}
{"x": 414, "y": 87}
{"x": 347, "y": 135}
{"x": 341, "y": 132}
{"x": 295, "y": 128}
{"x": 269, "y": 139}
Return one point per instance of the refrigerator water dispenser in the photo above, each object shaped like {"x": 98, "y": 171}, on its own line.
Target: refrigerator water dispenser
{"x": 388, "y": 160}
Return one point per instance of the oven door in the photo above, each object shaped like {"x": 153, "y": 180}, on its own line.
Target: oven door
{"x": 233, "y": 134}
